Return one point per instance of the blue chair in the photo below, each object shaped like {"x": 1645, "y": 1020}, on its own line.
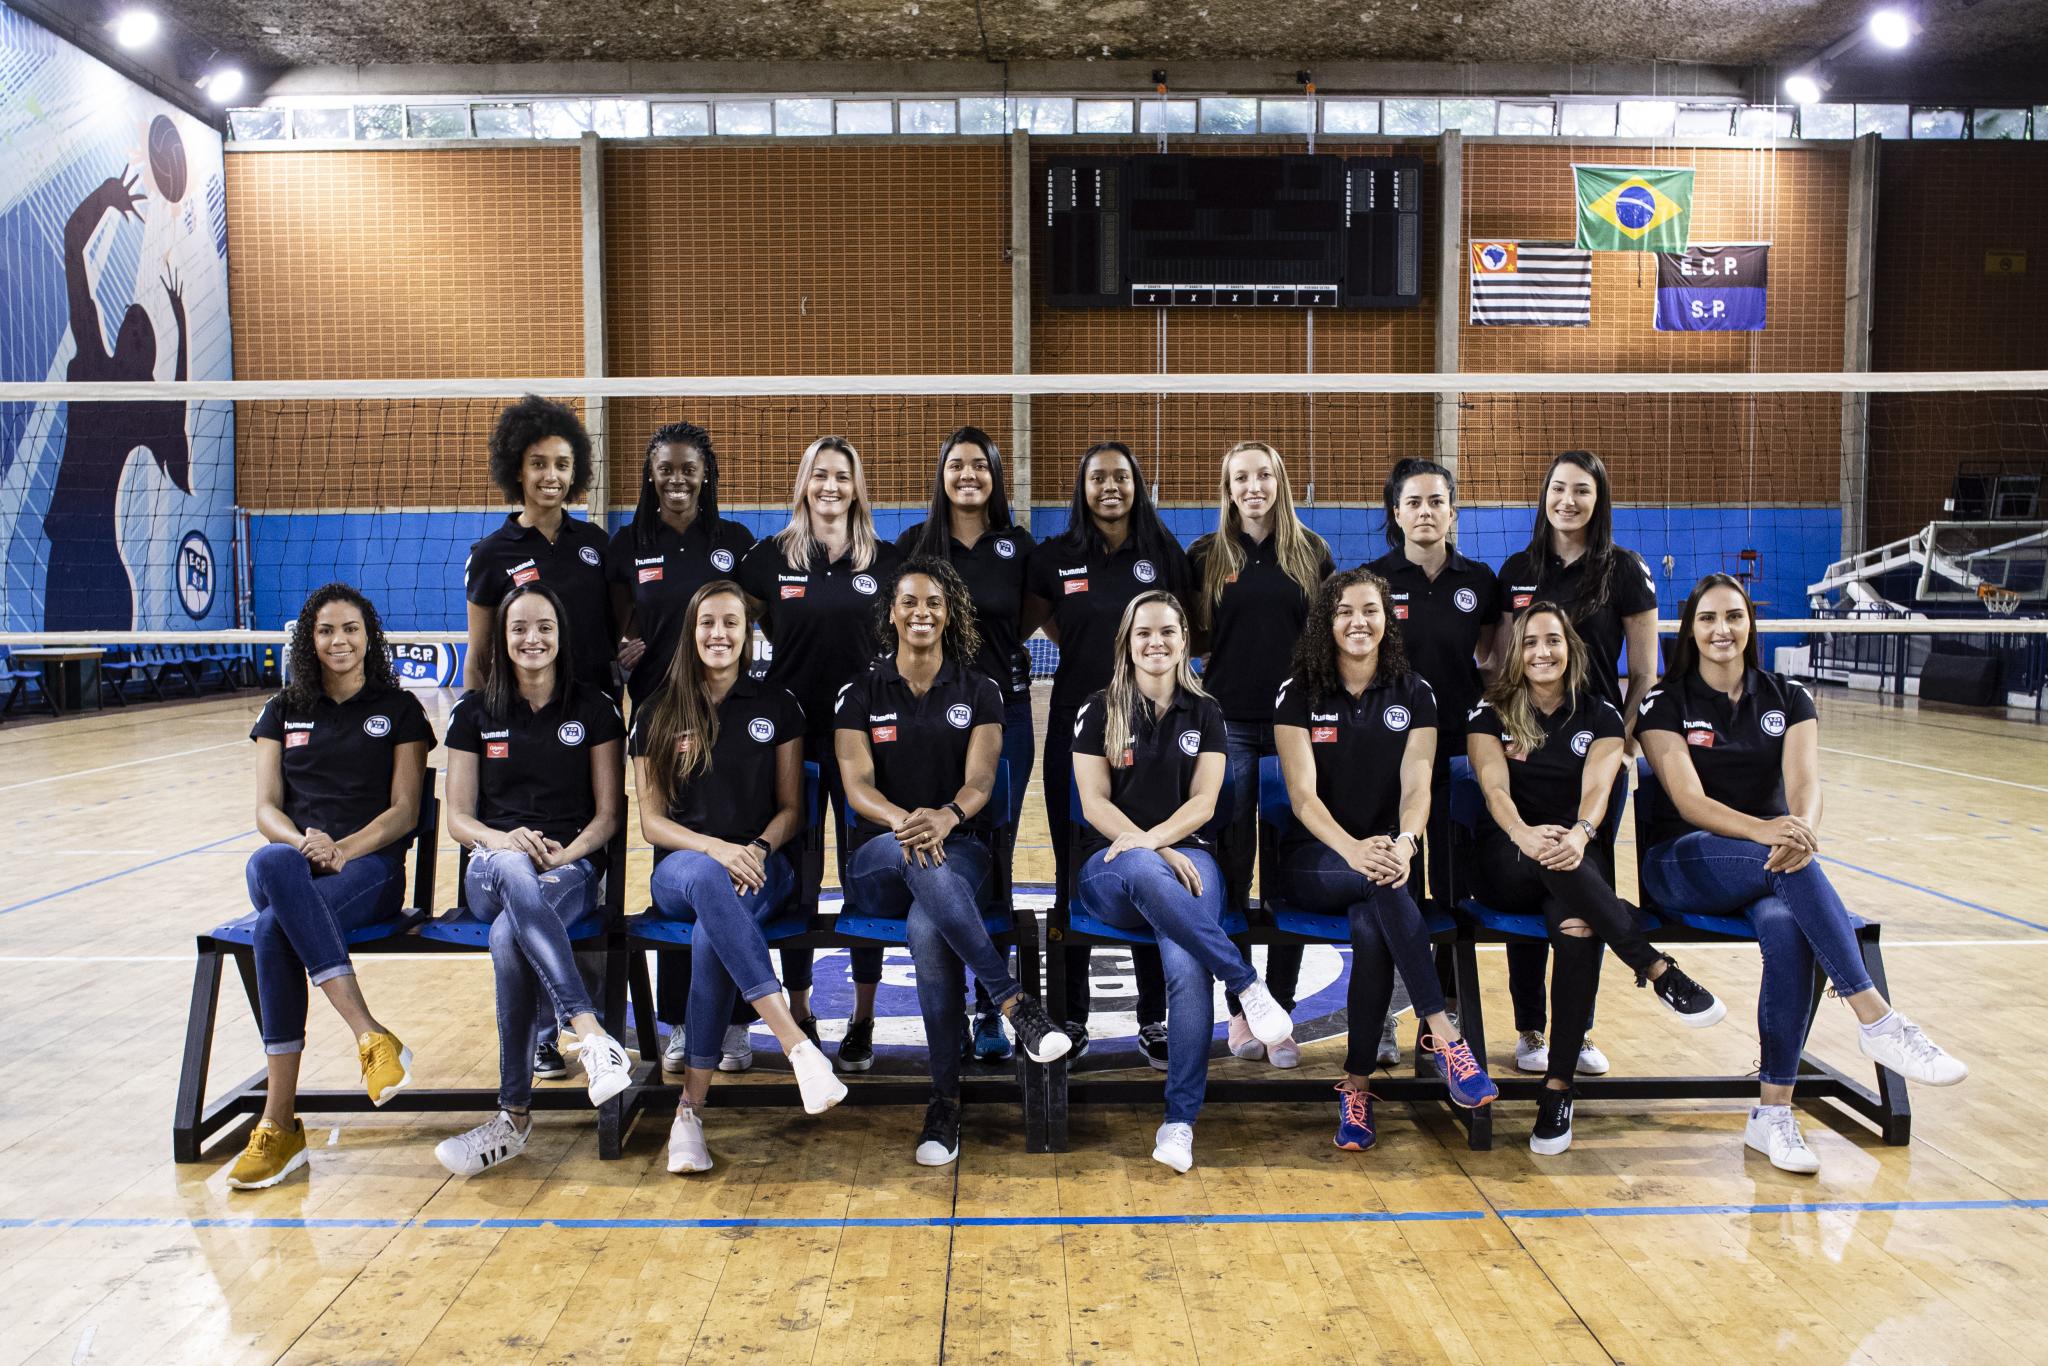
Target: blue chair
{"x": 21, "y": 684}
{"x": 1469, "y": 814}
{"x": 997, "y": 916}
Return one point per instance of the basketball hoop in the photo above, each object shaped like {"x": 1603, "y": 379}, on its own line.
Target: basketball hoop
{"x": 2000, "y": 602}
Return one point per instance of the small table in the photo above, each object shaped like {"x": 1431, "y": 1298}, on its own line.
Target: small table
{"x": 65, "y": 671}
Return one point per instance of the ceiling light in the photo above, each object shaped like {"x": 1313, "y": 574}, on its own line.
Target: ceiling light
{"x": 222, "y": 84}
{"x": 1803, "y": 87}
{"x": 135, "y": 28}
{"x": 1891, "y": 28}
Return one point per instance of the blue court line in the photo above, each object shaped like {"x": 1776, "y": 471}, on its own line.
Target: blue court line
{"x": 109, "y": 877}
{"x": 1053, "y": 1220}
{"x": 1929, "y": 891}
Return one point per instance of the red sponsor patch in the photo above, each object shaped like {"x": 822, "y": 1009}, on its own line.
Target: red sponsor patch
{"x": 881, "y": 735}
{"x": 497, "y": 749}
{"x": 792, "y": 590}
{"x": 529, "y": 574}
{"x": 294, "y": 738}
{"x": 651, "y": 574}
{"x": 1522, "y": 600}
{"x": 1703, "y": 738}
{"x": 1323, "y": 735}
{"x": 1130, "y": 758}
{"x": 1076, "y": 586}
{"x": 1400, "y": 611}
{"x": 682, "y": 744}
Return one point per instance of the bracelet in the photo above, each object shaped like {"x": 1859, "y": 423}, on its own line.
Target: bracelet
{"x": 1592, "y": 830}
{"x": 763, "y": 845}
{"x": 958, "y": 814}
{"x": 1409, "y": 835}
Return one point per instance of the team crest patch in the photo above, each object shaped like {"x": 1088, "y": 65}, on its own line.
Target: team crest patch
{"x": 959, "y": 715}
{"x": 1006, "y": 548}
{"x": 377, "y": 727}
{"x": 1396, "y": 717}
{"x": 1143, "y": 571}
{"x": 864, "y": 583}
{"x": 762, "y": 729}
{"x": 570, "y": 733}
{"x": 1773, "y": 722}
{"x": 721, "y": 560}
{"x": 1191, "y": 742}
{"x": 588, "y": 554}
{"x": 1466, "y": 599}
{"x": 1582, "y": 742}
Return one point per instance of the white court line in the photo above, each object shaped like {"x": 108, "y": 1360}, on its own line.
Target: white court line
{"x": 130, "y": 763}
{"x": 1930, "y": 768}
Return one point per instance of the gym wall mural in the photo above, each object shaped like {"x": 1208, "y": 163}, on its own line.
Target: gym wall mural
{"x": 113, "y": 267}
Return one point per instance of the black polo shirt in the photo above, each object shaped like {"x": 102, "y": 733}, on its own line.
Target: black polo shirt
{"x": 1546, "y": 786}
{"x": 1442, "y": 622}
{"x": 1088, "y": 593}
{"x": 661, "y": 581}
{"x": 1358, "y": 744}
{"x": 993, "y": 570}
{"x": 1253, "y": 627}
{"x": 1630, "y": 590}
{"x": 1737, "y": 748}
{"x": 533, "y": 768}
{"x": 735, "y": 800}
{"x": 1158, "y": 767}
{"x": 820, "y": 619}
{"x": 338, "y": 757}
{"x": 572, "y": 565}
{"x": 919, "y": 743}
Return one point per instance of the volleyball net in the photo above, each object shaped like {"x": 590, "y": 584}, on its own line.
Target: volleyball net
{"x": 1904, "y": 508}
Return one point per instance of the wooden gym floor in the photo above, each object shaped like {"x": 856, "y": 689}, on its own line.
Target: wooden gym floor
{"x": 1656, "y": 1238}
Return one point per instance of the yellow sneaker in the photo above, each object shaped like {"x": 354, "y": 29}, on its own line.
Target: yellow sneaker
{"x": 272, "y": 1155}
{"x": 387, "y": 1065}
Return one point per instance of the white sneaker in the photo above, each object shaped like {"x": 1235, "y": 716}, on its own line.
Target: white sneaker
{"x": 686, "y": 1150}
{"x": 736, "y": 1054}
{"x": 1532, "y": 1051}
{"x": 1773, "y": 1132}
{"x": 1901, "y": 1046}
{"x": 1174, "y": 1144}
{"x": 1270, "y": 1023}
{"x": 494, "y": 1141}
{"x": 605, "y": 1064}
{"x": 1286, "y": 1053}
{"x": 675, "y": 1051}
{"x": 816, "y": 1081}
{"x": 1592, "y": 1062}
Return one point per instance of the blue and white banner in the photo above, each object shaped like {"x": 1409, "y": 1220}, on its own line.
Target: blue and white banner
{"x": 113, "y": 266}
{"x": 1713, "y": 289}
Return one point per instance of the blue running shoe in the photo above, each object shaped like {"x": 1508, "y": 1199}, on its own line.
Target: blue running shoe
{"x": 1464, "y": 1078}
{"x": 1354, "y": 1120}
{"x": 990, "y": 1043}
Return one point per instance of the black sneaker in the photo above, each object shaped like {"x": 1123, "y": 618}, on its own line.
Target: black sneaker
{"x": 1152, "y": 1038}
{"x": 1693, "y": 1004}
{"x": 547, "y": 1061}
{"x": 938, "y": 1143}
{"x": 966, "y": 1041}
{"x": 809, "y": 1025}
{"x": 1077, "y": 1034}
{"x": 1036, "y": 1033}
{"x": 857, "y": 1049}
{"x": 1553, "y": 1131}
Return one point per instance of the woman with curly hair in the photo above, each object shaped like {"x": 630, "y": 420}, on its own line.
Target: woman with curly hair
{"x": 1356, "y": 732}
{"x": 340, "y": 758}
{"x": 540, "y": 459}
{"x": 919, "y": 732}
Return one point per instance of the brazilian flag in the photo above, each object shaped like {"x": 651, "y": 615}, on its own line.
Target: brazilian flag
{"x": 1633, "y": 208}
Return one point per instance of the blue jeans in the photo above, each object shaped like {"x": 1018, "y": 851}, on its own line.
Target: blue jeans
{"x": 1387, "y": 930}
{"x": 941, "y": 911}
{"x": 1138, "y": 891}
{"x": 1245, "y": 746}
{"x": 302, "y": 920}
{"x": 1797, "y": 919}
{"x": 530, "y": 914}
{"x": 1019, "y": 753}
{"x": 729, "y": 955}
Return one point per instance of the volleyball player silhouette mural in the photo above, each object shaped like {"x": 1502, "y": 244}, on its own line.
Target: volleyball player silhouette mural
{"x": 113, "y": 212}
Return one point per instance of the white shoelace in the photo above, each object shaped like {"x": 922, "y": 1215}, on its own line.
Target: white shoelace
{"x": 1917, "y": 1045}
{"x": 494, "y": 1139}
{"x": 601, "y": 1053}
{"x": 1785, "y": 1130}
{"x": 1176, "y": 1136}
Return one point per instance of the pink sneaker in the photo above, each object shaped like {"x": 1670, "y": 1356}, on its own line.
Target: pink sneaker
{"x": 1286, "y": 1053}
{"x": 1242, "y": 1044}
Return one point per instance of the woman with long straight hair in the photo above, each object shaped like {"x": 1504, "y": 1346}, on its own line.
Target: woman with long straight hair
{"x": 1149, "y": 760}
{"x": 718, "y": 757}
{"x": 535, "y": 790}
{"x": 1356, "y": 731}
{"x": 1611, "y": 597}
{"x": 1546, "y": 753}
{"x": 817, "y": 582}
{"x": 341, "y": 757}
{"x": 675, "y": 543}
{"x": 1737, "y": 752}
{"x": 919, "y": 732}
{"x": 1254, "y": 577}
{"x": 971, "y": 528}
{"x": 1077, "y": 586}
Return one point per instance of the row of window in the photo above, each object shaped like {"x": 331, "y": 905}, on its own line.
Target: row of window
{"x": 1062, "y": 115}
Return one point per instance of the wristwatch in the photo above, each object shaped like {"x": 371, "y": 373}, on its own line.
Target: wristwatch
{"x": 1409, "y": 835}
{"x": 1592, "y": 830}
{"x": 763, "y": 845}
